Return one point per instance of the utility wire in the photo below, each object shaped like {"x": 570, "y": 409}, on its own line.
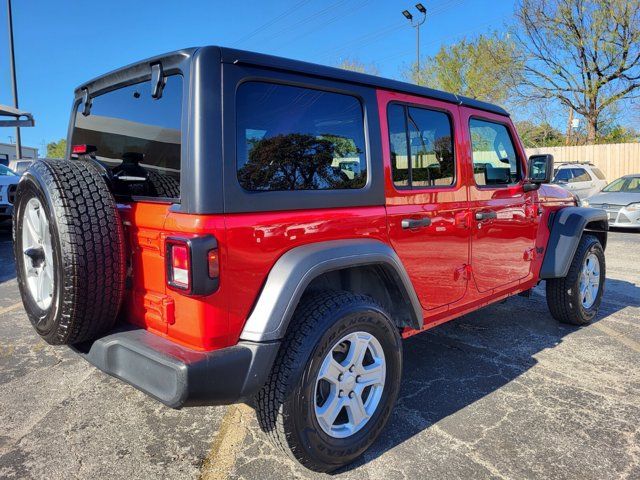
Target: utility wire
{"x": 373, "y": 37}
{"x": 315, "y": 16}
{"x": 271, "y": 22}
{"x": 459, "y": 35}
{"x": 329, "y": 21}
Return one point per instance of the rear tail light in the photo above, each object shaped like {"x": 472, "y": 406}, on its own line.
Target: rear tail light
{"x": 83, "y": 149}
{"x": 179, "y": 265}
{"x": 192, "y": 264}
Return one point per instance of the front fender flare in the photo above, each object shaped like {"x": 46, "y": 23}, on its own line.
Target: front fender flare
{"x": 566, "y": 230}
{"x": 295, "y": 270}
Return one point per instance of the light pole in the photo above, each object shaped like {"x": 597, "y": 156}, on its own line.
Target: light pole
{"x": 14, "y": 83}
{"x": 416, "y": 24}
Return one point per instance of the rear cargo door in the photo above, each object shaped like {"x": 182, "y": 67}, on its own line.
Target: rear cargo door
{"x": 137, "y": 139}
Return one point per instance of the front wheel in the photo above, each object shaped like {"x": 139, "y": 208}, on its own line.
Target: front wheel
{"x": 575, "y": 299}
{"x": 335, "y": 381}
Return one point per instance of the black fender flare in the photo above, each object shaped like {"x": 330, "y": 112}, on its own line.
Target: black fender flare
{"x": 567, "y": 227}
{"x": 297, "y": 268}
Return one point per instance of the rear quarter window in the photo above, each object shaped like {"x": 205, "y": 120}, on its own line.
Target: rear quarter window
{"x": 137, "y": 137}
{"x": 598, "y": 173}
{"x": 293, "y": 138}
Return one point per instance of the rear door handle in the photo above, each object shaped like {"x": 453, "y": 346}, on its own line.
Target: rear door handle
{"x": 488, "y": 215}
{"x": 415, "y": 223}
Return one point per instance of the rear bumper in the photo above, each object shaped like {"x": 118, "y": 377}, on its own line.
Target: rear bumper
{"x": 178, "y": 376}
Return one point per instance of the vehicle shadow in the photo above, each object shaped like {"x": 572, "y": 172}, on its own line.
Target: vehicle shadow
{"x": 452, "y": 366}
{"x": 7, "y": 263}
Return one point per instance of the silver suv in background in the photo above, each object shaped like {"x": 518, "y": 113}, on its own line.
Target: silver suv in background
{"x": 581, "y": 179}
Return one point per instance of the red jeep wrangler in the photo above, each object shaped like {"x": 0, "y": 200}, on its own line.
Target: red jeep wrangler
{"x": 231, "y": 226}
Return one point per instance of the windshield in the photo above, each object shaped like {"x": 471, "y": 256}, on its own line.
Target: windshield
{"x": 626, "y": 185}
{"x": 5, "y": 172}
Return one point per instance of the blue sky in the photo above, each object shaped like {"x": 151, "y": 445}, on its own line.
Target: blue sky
{"x": 60, "y": 44}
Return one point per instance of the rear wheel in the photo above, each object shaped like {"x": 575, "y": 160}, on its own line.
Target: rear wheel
{"x": 335, "y": 381}
{"x": 575, "y": 299}
{"x": 69, "y": 250}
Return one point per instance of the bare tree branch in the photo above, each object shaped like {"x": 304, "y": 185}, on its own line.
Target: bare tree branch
{"x": 583, "y": 53}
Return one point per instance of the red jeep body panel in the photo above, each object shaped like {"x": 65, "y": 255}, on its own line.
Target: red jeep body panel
{"x": 455, "y": 267}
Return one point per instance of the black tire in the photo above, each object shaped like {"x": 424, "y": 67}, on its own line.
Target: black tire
{"x": 163, "y": 186}
{"x": 284, "y": 409}
{"x": 88, "y": 250}
{"x": 563, "y": 294}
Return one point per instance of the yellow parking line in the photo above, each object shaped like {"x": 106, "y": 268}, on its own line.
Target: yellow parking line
{"x": 632, "y": 344}
{"x": 10, "y": 308}
{"x": 227, "y": 444}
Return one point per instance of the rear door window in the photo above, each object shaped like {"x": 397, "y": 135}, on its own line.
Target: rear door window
{"x": 579, "y": 175}
{"x": 137, "y": 137}
{"x": 293, "y": 138}
{"x": 421, "y": 144}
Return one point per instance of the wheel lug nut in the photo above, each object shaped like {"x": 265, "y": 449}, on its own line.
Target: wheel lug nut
{"x": 351, "y": 368}
{"x": 340, "y": 394}
{"x": 358, "y": 378}
{"x": 340, "y": 377}
{"x": 351, "y": 394}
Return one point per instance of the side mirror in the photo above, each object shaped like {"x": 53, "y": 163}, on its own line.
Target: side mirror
{"x": 540, "y": 169}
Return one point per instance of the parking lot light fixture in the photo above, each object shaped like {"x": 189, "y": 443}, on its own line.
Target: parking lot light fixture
{"x": 416, "y": 24}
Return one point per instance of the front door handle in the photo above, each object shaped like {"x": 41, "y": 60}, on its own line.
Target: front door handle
{"x": 415, "y": 223}
{"x": 488, "y": 215}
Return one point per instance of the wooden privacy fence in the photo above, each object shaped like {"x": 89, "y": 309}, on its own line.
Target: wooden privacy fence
{"x": 615, "y": 159}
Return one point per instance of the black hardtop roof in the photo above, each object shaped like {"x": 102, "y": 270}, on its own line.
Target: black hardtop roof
{"x": 230, "y": 55}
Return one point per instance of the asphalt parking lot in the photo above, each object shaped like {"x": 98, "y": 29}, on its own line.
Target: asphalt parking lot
{"x": 505, "y": 392}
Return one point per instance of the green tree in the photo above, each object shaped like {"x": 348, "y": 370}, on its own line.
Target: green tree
{"x": 296, "y": 161}
{"x": 482, "y": 68}
{"x": 584, "y": 54}
{"x": 357, "y": 66}
{"x": 57, "y": 149}
{"x": 539, "y": 135}
{"x": 618, "y": 134}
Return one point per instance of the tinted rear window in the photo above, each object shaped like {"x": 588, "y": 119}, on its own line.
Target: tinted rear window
{"x": 292, "y": 138}
{"x": 137, "y": 137}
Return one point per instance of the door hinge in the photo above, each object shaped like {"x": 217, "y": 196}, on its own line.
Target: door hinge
{"x": 530, "y": 254}
{"x": 463, "y": 272}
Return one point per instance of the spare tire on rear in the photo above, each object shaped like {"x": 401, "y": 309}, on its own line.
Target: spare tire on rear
{"x": 70, "y": 251}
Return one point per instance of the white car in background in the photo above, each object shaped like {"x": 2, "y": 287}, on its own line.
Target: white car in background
{"x": 582, "y": 179}
{"x": 20, "y": 166}
{"x": 621, "y": 200}
{"x": 8, "y": 183}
